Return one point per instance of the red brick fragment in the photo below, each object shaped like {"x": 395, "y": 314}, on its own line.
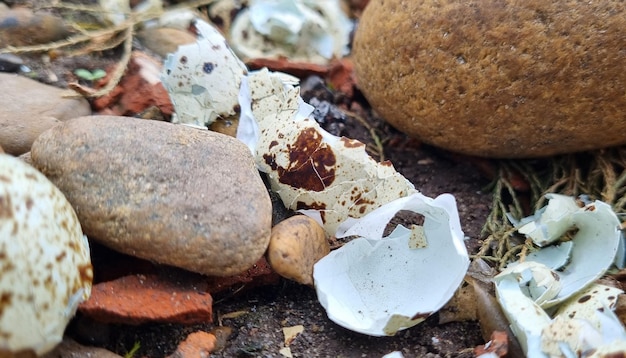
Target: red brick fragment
{"x": 138, "y": 299}
{"x": 138, "y": 90}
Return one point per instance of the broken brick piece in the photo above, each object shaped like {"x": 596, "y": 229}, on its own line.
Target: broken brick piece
{"x": 138, "y": 299}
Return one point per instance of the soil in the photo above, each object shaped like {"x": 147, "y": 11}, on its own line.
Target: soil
{"x": 257, "y": 331}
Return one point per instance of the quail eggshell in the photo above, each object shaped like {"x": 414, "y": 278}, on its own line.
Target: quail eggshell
{"x": 593, "y": 251}
{"x": 45, "y": 267}
{"x": 551, "y": 221}
{"x": 379, "y": 286}
{"x": 584, "y": 320}
{"x": 303, "y": 31}
{"x": 203, "y": 78}
{"x": 311, "y": 169}
{"x": 585, "y": 323}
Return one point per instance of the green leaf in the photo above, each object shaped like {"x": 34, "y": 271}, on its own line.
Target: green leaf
{"x": 98, "y": 74}
{"x": 133, "y": 350}
{"x": 88, "y": 75}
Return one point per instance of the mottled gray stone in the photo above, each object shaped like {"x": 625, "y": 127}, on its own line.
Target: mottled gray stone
{"x": 168, "y": 193}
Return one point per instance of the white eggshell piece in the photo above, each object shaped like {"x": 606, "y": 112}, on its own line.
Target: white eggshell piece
{"x": 590, "y": 252}
{"x": 550, "y": 222}
{"x": 115, "y": 11}
{"x": 593, "y": 251}
{"x": 615, "y": 349}
{"x": 526, "y": 318}
{"x": 308, "y": 167}
{"x": 203, "y": 79}
{"x": 620, "y": 256}
{"x": 535, "y": 280}
{"x": 378, "y": 286}
{"x": 584, "y": 320}
{"x": 554, "y": 256}
{"x": 582, "y": 324}
{"x": 303, "y": 31}
{"x": 45, "y": 268}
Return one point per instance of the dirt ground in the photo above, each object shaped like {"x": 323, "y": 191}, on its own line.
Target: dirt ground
{"x": 257, "y": 330}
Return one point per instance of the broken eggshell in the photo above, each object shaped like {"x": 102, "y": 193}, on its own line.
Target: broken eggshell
{"x": 593, "y": 247}
{"x": 378, "y": 286}
{"x": 203, "y": 78}
{"x": 45, "y": 267}
{"x": 301, "y": 30}
{"x": 558, "y": 275}
{"x": 549, "y": 223}
{"x": 582, "y": 324}
{"x": 594, "y": 306}
{"x": 329, "y": 178}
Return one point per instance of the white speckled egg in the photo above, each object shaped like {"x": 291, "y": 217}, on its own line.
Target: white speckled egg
{"x": 45, "y": 268}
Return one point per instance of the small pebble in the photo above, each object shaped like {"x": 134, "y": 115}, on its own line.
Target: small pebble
{"x": 21, "y": 27}
{"x": 296, "y": 244}
{"x": 10, "y": 63}
{"x": 163, "y": 40}
{"x": 29, "y": 108}
{"x": 72, "y": 349}
{"x": 197, "y": 345}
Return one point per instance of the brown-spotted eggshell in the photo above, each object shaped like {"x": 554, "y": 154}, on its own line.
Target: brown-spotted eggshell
{"x": 45, "y": 268}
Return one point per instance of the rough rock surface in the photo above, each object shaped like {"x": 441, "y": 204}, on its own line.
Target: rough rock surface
{"x": 168, "y": 193}
{"x": 497, "y": 78}
{"x": 21, "y": 27}
{"x": 29, "y": 108}
{"x": 164, "y": 40}
{"x": 296, "y": 244}
{"x": 72, "y": 349}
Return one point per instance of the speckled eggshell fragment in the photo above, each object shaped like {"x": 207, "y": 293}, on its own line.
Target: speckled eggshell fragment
{"x": 203, "y": 78}
{"x": 585, "y": 322}
{"x": 303, "y": 31}
{"x": 308, "y": 167}
{"x": 45, "y": 268}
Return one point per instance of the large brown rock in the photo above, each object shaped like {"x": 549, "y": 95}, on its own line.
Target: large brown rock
{"x": 506, "y": 78}
{"x": 168, "y": 193}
